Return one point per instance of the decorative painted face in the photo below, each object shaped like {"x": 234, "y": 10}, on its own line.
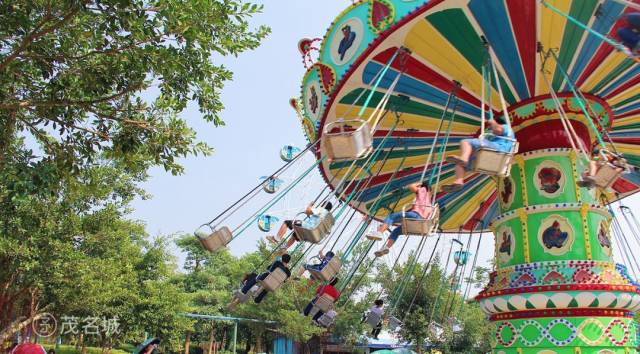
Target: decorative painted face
{"x": 603, "y": 236}
{"x": 507, "y": 191}
{"x": 505, "y": 246}
{"x": 347, "y": 41}
{"x": 554, "y": 237}
{"x": 550, "y": 179}
{"x": 313, "y": 101}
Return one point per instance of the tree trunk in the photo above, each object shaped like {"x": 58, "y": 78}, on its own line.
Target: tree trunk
{"x": 259, "y": 344}
{"x": 18, "y": 326}
{"x": 223, "y": 345}
{"x": 212, "y": 339}
{"x": 187, "y": 343}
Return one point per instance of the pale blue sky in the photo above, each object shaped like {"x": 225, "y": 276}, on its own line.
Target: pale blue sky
{"x": 259, "y": 121}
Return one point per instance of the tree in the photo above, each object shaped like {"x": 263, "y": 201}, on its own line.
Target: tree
{"x": 67, "y": 248}
{"x": 74, "y": 75}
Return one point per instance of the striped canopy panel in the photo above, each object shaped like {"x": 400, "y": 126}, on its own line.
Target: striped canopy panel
{"x": 445, "y": 42}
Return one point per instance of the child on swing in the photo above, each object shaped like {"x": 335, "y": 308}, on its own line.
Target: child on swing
{"x": 597, "y": 157}
{"x": 421, "y": 209}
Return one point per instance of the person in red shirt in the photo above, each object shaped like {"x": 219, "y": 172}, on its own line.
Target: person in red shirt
{"x": 328, "y": 289}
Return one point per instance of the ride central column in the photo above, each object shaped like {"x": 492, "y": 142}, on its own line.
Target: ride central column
{"x": 556, "y": 288}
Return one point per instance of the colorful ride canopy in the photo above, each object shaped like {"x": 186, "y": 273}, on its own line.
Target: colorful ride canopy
{"x": 445, "y": 41}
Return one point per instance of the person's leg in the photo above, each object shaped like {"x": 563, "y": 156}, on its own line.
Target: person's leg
{"x": 628, "y": 37}
{"x": 260, "y": 297}
{"x": 466, "y": 148}
{"x": 593, "y": 167}
{"x": 308, "y": 308}
{"x": 318, "y": 315}
{"x": 386, "y": 223}
{"x": 390, "y": 220}
{"x": 634, "y": 20}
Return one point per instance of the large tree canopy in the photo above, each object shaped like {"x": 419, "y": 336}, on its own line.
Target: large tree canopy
{"x": 72, "y": 73}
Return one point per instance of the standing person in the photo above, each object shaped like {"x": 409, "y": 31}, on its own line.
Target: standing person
{"x": 469, "y": 146}
{"x": 421, "y": 209}
{"x": 630, "y": 34}
{"x": 328, "y": 289}
{"x": 378, "y": 310}
{"x": 314, "y": 215}
{"x": 282, "y": 263}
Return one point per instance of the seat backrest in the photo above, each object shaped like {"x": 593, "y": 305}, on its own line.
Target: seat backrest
{"x": 325, "y": 302}
{"x": 373, "y": 319}
{"x": 274, "y": 280}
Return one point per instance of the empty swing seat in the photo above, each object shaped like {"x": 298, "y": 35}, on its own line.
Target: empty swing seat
{"x": 329, "y": 271}
{"x": 494, "y": 162}
{"x": 436, "y": 330}
{"x": 327, "y": 319}
{"x": 274, "y": 280}
{"x": 373, "y": 319}
{"x": 394, "y": 323}
{"x": 420, "y": 227}
{"x": 347, "y": 139}
{"x": 314, "y": 228}
{"x": 216, "y": 240}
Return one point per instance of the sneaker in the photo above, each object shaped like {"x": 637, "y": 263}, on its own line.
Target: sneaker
{"x": 375, "y": 236}
{"x": 272, "y": 239}
{"x": 584, "y": 184}
{"x": 382, "y": 252}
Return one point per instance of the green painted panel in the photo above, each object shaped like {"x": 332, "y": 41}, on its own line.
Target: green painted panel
{"x": 543, "y": 185}
{"x": 551, "y": 242}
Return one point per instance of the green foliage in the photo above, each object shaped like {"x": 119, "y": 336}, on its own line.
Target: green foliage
{"x": 70, "y": 349}
{"x": 67, "y": 248}
{"x": 72, "y": 74}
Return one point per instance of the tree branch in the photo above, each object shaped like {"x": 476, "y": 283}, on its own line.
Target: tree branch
{"x": 35, "y": 35}
{"x": 63, "y": 103}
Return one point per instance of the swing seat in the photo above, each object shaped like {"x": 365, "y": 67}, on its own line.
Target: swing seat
{"x": 289, "y": 152}
{"x": 314, "y": 228}
{"x": 327, "y": 319}
{"x": 494, "y": 162}
{"x": 324, "y": 303}
{"x": 271, "y": 184}
{"x": 216, "y": 240}
{"x": 373, "y": 319}
{"x": 329, "y": 271}
{"x": 242, "y": 298}
{"x": 607, "y": 174}
{"x": 347, "y": 139}
{"x": 274, "y": 280}
{"x": 456, "y": 326}
{"x": 461, "y": 257}
{"x": 255, "y": 291}
{"x": 394, "y": 323}
{"x": 420, "y": 227}
{"x": 436, "y": 330}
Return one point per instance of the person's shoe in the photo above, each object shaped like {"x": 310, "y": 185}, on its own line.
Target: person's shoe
{"x": 584, "y": 184}
{"x": 382, "y": 252}
{"x": 272, "y": 239}
{"x": 452, "y": 188}
{"x": 590, "y": 179}
{"x": 375, "y": 236}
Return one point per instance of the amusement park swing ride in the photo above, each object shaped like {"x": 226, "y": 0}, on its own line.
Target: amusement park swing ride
{"x": 551, "y": 96}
